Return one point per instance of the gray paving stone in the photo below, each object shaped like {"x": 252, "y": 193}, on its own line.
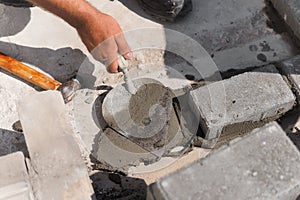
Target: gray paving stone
{"x": 289, "y": 10}
{"x": 262, "y": 165}
{"x": 257, "y": 96}
{"x": 55, "y": 155}
{"x": 14, "y": 180}
{"x": 257, "y": 53}
{"x": 230, "y": 29}
{"x": 291, "y": 68}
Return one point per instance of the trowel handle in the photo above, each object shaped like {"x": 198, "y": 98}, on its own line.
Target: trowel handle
{"x": 123, "y": 67}
{"x": 123, "y": 64}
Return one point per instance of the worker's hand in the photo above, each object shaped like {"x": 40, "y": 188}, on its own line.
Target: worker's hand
{"x": 104, "y": 39}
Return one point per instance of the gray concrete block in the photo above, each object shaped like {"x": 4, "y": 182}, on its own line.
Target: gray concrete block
{"x": 291, "y": 68}
{"x": 254, "y": 97}
{"x": 289, "y": 10}
{"x": 14, "y": 180}
{"x": 262, "y": 165}
{"x": 54, "y": 153}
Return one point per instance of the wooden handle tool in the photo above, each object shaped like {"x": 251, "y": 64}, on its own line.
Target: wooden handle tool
{"x": 27, "y": 73}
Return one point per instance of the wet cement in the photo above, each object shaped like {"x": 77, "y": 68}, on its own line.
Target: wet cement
{"x": 140, "y": 104}
{"x": 115, "y": 152}
{"x": 147, "y": 96}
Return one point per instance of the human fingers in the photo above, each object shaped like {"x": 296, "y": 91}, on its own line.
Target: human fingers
{"x": 123, "y": 46}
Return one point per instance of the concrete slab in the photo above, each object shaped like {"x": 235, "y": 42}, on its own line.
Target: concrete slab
{"x": 242, "y": 102}
{"x": 289, "y": 10}
{"x": 14, "y": 180}
{"x": 54, "y": 153}
{"x": 261, "y": 165}
{"x": 225, "y": 28}
{"x": 11, "y": 91}
{"x": 291, "y": 68}
{"x": 257, "y": 53}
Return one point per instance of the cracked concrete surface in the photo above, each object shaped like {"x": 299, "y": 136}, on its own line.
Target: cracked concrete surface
{"x": 238, "y": 35}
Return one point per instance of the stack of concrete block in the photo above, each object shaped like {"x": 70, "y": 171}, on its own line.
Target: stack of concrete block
{"x": 262, "y": 165}
{"x": 57, "y": 168}
{"x": 247, "y": 100}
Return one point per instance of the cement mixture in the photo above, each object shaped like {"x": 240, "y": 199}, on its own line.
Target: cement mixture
{"x": 139, "y": 107}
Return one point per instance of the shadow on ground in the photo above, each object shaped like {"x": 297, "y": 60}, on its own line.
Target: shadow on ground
{"x": 13, "y": 20}
{"x": 115, "y": 186}
{"x": 62, "y": 64}
{"x": 12, "y": 141}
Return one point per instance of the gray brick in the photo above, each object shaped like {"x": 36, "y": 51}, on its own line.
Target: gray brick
{"x": 262, "y": 165}
{"x": 289, "y": 10}
{"x": 14, "y": 180}
{"x": 291, "y": 68}
{"x": 253, "y": 97}
{"x": 54, "y": 153}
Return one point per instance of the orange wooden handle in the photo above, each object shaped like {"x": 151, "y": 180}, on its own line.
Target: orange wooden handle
{"x": 27, "y": 73}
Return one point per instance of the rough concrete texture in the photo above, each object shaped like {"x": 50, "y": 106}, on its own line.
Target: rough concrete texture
{"x": 255, "y": 96}
{"x": 261, "y": 52}
{"x": 116, "y": 153}
{"x": 60, "y": 172}
{"x": 14, "y": 180}
{"x": 217, "y": 25}
{"x": 167, "y": 76}
{"x": 291, "y": 68}
{"x": 289, "y": 10}
{"x": 263, "y": 165}
{"x": 222, "y": 27}
{"x": 225, "y": 27}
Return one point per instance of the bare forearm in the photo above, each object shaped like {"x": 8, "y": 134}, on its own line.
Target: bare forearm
{"x": 75, "y": 12}
{"x": 93, "y": 27}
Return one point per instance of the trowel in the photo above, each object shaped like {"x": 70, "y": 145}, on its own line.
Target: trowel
{"x": 124, "y": 111}
{"x": 37, "y": 78}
